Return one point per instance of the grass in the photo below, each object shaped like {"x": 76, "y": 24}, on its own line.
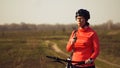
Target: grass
{"x": 100, "y": 64}
{"x": 28, "y": 49}
{"x": 25, "y": 50}
{"x": 110, "y": 46}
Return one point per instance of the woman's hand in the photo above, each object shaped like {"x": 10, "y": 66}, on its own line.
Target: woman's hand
{"x": 89, "y": 61}
{"x": 73, "y": 41}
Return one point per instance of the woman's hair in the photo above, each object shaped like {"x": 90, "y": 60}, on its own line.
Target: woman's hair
{"x": 87, "y": 24}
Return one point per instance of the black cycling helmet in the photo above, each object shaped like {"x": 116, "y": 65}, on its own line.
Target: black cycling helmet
{"x": 84, "y": 13}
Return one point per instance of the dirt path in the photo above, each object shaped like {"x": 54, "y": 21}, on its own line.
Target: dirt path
{"x": 57, "y": 49}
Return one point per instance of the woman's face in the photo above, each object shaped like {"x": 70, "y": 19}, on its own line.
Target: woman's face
{"x": 80, "y": 21}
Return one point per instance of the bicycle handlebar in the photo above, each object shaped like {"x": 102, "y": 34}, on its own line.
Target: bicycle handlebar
{"x": 66, "y": 60}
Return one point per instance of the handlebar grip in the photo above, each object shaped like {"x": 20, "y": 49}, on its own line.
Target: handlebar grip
{"x": 50, "y": 57}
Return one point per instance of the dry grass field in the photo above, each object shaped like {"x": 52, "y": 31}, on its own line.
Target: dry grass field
{"x": 26, "y": 48}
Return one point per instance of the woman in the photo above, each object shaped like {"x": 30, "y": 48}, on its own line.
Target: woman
{"x": 83, "y": 41}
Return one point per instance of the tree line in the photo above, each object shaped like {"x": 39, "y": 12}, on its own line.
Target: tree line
{"x": 57, "y": 27}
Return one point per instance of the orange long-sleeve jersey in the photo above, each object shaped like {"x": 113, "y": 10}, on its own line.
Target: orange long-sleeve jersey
{"x": 86, "y": 45}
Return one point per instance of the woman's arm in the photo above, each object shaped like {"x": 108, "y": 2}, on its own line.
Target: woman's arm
{"x": 70, "y": 43}
{"x": 96, "y": 46}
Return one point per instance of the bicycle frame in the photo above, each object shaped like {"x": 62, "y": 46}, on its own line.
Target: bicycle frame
{"x": 68, "y": 61}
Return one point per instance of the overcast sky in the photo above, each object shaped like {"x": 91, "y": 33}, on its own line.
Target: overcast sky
{"x": 57, "y": 11}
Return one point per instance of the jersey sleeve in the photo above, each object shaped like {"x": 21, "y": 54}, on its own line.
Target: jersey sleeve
{"x": 69, "y": 46}
{"x": 96, "y": 46}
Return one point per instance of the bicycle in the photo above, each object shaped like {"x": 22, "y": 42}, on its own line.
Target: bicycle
{"x": 68, "y": 61}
